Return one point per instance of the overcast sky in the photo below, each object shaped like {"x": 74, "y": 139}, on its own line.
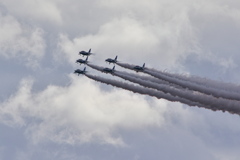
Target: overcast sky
{"x": 47, "y": 112}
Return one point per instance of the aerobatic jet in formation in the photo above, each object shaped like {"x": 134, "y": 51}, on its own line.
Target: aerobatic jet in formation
{"x": 139, "y": 68}
{"x": 85, "y": 53}
{"x": 108, "y": 70}
{"x": 110, "y": 60}
{"x": 81, "y": 61}
{"x": 78, "y": 71}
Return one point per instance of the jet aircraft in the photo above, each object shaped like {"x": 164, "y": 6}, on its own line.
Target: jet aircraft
{"x": 108, "y": 70}
{"x": 139, "y": 68}
{"x": 85, "y": 53}
{"x": 78, "y": 71}
{"x": 81, "y": 61}
{"x": 110, "y": 60}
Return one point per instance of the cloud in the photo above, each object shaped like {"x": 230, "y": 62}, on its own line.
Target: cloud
{"x": 37, "y": 10}
{"x": 161, "y": 33}
{"x": 186, "y": 28}
{"x": 78, "y": 113}
{"x": 19, "y": 41}
{"x": 169, "y": 32}
{"x": 217, "y": 24}
{"x": 133, "y": 40}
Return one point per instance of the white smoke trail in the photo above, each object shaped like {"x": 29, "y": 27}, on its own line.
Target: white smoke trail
{"x": 181, "y": 95}
{"x": 231, "y": 106}
{"x": 144, "y": 91}
{"x": 187, "y": 84}
{"x": 194, "y": 79}
{"x": 152, "y": 79}
{"x": 96, "y": 67}
{"x": 193, "y": 86}
{"x": 204, "y": 81}
{"x": 126, "y": 65}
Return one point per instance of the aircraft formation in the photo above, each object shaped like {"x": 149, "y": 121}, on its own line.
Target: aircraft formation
{"x": 105, "y": 70}
{"x": 189, "y": 90}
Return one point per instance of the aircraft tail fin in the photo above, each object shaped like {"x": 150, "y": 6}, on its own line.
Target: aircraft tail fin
{"x": 84, "y": 69}
{"x": 89, "y": 50}
{"x": 86, "y": 58}
{"x": 116, "y": 58}
{"x": 113, "y": 68}
{"x": 143, "y": 65}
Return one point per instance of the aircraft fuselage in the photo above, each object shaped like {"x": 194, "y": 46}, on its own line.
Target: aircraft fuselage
{"x": 108, "y": 70}
{"x": 110, "y": 60}
{"x": 78, "y": 71}
{"x": 139, "y": 68}
{"x": 84, "y": 53}
{"x": 81, "y": 61}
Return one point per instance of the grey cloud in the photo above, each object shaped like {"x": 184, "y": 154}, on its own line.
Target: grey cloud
{"x": 217, "y": 36}
{"x": 90, "y": 120}
{"x": 181, "y": 36}
{"x": 19, "y": 41}
{"x": 35, "y": 10}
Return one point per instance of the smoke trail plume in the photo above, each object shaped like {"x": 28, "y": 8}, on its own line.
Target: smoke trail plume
{"x": 187, "y": 97}
{"x": 204, "y": 81}
{"x": 144, "y": 91}
{"x": 126, "y": 65}
{"x": 193, "y": 86}
{"x": 153, "y": 79}
{"x": 231, "y": 106}
{"x": 96, "y": 67}
{"x": 187, "y": 84}
{"x": 194, "y": 79}
{"x": 161, "y": 90}
{"x": 149, "y": 78}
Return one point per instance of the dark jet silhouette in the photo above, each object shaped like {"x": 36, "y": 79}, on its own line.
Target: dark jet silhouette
{"x": 110, "y": 60}
{"x": 139, "y": 68}
{"x": 108, "y": 70}
{"x": 81, "y": 61}
{"x": 78, "y": 71}
{"x": 84, "y": 53}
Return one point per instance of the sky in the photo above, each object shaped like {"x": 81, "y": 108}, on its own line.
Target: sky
{"x": 47, "y": 112}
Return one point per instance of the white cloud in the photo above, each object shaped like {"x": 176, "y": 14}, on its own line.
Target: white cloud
{"x": 79, "y": 113}
{"x": 166, "y": 31}
{"x": 225, "y": 154}
{"x": 159, "y": 32}
{"x": 185, "y": 28}
{"x": 40, "y": 10}
{"x": 134, "y": 40}
{"x": 217, "y": 24}
{"x": 18, "y": 41}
